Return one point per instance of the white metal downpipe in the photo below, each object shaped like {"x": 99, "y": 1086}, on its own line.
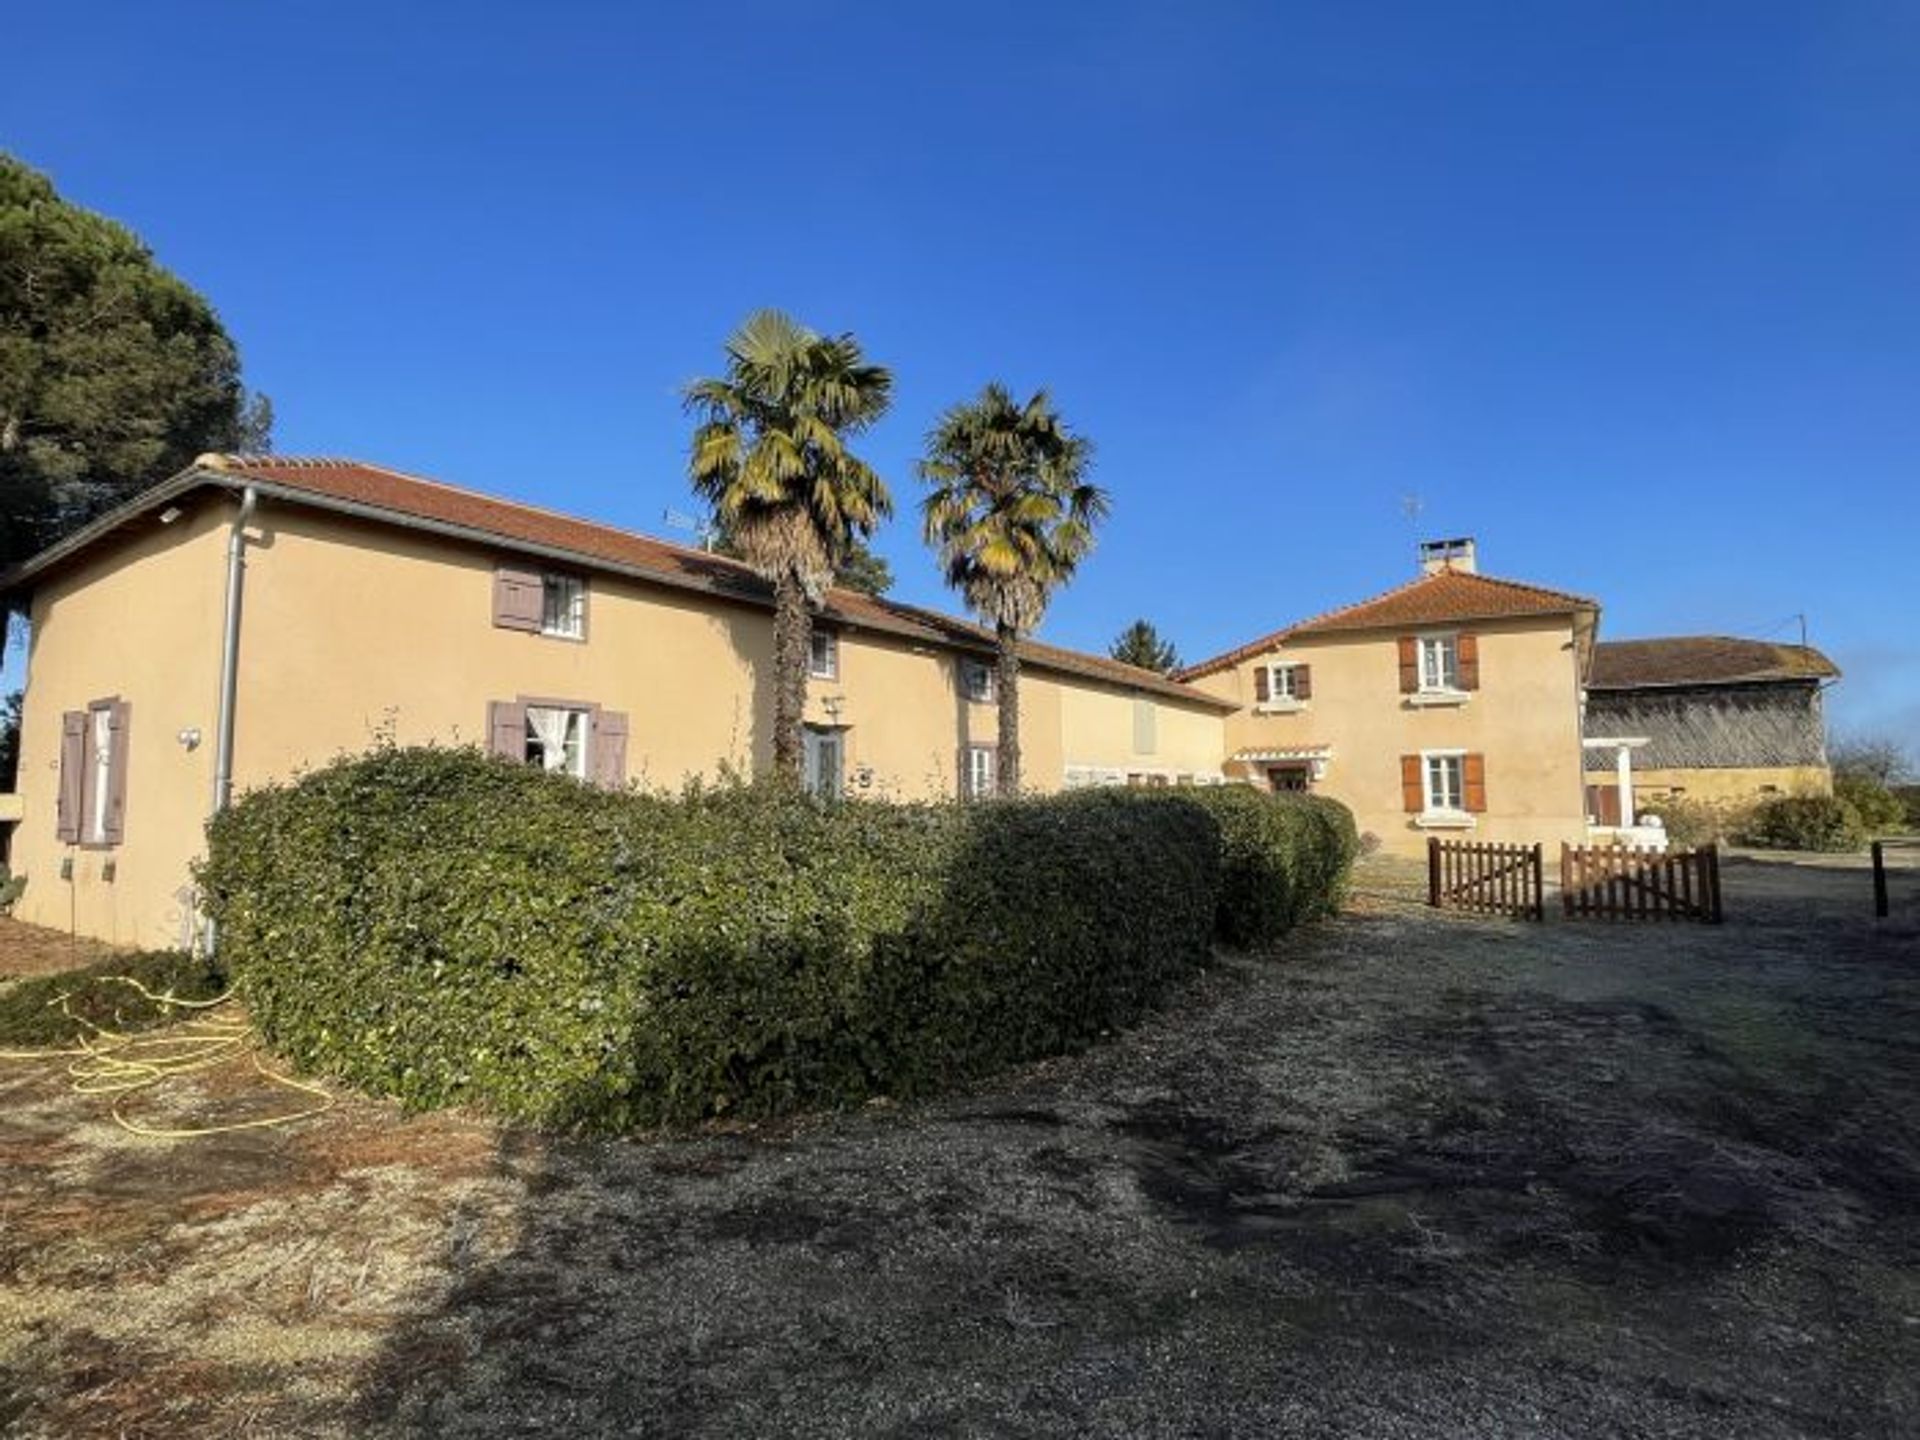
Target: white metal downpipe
{"x": 229, "y": 671}
{"x": 230, "y": 651}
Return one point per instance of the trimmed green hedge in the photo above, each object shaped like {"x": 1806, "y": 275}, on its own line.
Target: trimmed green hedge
{"x": 31, "y": 1015}
{"x": 1806, "y": 822}
{"x": 1284, "y": 859}
{"x": 445, "y": 928}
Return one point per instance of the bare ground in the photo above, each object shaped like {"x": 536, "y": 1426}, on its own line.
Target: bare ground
{"x": 27, "y": 950}
{"x": 1424, "y": 1177}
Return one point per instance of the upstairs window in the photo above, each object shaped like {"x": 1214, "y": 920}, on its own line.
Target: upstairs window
{"x": 823, "y": 655}
{"x": 976, "y": 681}
{"x": 563, "y": 606}
{"x": 1439, "y": 662}
{"x": 1282, "y": 684}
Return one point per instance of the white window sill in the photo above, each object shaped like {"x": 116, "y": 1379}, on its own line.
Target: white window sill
{"x": 1279, "y": 707}
{"x": 1445, "y": 820}
{"x": 566, "y": 635}
{"x": 1424, "y": 698}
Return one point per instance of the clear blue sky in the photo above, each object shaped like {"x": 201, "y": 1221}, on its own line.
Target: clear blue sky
{"x": 1629, "y": 291}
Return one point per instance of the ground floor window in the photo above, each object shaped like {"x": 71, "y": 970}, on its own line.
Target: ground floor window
{"x": 982, "y": 769}
{"x": 1446, "y": 782}
{"x": 825, "y": 761}
{"x": 557, "y": 739}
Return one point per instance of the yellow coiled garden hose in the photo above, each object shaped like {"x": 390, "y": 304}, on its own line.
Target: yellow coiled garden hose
{"x": 105, "y": 1062}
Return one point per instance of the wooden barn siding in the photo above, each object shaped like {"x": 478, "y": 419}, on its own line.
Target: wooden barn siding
{"x": 1712, "y": 726}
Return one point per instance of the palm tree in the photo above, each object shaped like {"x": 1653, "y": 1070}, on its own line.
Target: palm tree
{"x": 770, "y": 457}
{"x": 1011, "y": 514}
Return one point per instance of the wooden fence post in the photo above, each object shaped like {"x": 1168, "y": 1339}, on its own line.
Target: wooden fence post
{"x": 1433, "y": 871}
{"x": 1715, "y": 913}
{"x": 1879, "y": 880}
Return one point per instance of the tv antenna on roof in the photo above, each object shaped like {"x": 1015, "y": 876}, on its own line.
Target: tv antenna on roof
{"x": 706, "y": 530}
{"x": 1411, "y": 505}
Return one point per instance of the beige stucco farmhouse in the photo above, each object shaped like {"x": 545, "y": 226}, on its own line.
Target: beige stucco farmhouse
{"x": 257, "y": 615}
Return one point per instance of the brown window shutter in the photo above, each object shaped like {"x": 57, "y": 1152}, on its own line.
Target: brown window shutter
{"x": 607, "y": 761}
{"x": 1412, "y": 795}
{"x": 1476, "y": 779}
{"x": 117, "y": 724}
{"x": 73, "y": 771}
{"x": 1468, "y": 650}
{"x": 1303, "y": 682}
{"x": 1409, "y": 665}
{"x": 518, "y": 598}
{"x": 507, "y": 730}
{"x": 1262, "y": 684}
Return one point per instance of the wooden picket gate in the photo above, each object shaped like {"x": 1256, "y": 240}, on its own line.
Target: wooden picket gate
{"x": 1625, "y": 882}
{"x": 1485, "y": 878}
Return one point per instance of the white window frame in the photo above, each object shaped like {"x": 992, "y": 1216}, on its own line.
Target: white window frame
{"x": 983, "y": 771}
{"x": 574, "y": 759}
{"x": 563, "y": 606}
{"x": 1433, "y": 814}
{"x": 983, "y": 693}
{"x": 816, "y": 669}
{"x": 1280, "y": 686}
{"x": 1439, "y": 657}
{"x": 99, "y": 754}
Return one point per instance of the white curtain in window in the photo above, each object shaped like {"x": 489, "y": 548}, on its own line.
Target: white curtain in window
{"x": 102, "y": 773}
{"x": 552, "y": 728}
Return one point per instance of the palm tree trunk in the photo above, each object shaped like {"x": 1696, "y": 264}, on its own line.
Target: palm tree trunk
{"x": 1007, "y": 692}
{"x": 792, "y": 634}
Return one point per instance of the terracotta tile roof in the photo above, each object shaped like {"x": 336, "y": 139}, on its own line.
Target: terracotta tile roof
{"x": 1444, "y": 597}
{"x": 381, "y": 493}
{"x": 1702, "y": 660}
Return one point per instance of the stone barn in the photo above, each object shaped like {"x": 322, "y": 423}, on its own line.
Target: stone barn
{"x": 1706, "y": 718}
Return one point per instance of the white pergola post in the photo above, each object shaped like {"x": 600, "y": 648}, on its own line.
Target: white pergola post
{"x": 1623, "y": 777}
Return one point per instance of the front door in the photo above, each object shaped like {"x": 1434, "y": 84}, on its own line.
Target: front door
{"x": 1288, "y": 777}
{"x": 825, "y": 750}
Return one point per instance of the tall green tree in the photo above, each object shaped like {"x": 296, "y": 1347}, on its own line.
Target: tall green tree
{"x": 1140, "y": 644}
{"x": 114, "y": 374}
{"x": 1011, "y": 514}
{"x": 771, "y": 457}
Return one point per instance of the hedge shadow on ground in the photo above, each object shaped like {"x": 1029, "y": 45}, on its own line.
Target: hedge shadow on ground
{"x": 1438, "y": 1177}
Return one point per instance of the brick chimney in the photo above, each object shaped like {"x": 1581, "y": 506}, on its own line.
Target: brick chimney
{"x": 1458, "y": 554}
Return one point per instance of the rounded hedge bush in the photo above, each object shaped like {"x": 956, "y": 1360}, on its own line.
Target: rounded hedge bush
{"x": 1806, "y": 822}
{"x": 445, "y": 928}
{"x": 1285, "y": 858}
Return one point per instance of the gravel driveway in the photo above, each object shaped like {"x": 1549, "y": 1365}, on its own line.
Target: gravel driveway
{"x": 1423, "y": 1176}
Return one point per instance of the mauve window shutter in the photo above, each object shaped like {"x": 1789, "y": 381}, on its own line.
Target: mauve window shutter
{"x": 1262, "y": 684}
{"x": 609, "y": 758}
{"x": 1303, "y": 682}
{"x": 1412, "y": 793}
{"x": 1467, "y": 649}
{"x": 507, "y": 730}
{"x": 519, "y": 598}
{"x": 118, "y": 725}
{"x": 1474, "y": 772}
{"x": 1409, "y": 665}
{"x": 73, "y": 770}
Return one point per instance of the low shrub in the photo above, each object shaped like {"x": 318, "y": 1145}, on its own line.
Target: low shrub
{"x": 1879, "y": 809}
{"x": 1283, "y": 859}
{"x": 445, "y": 928}
{"x": 12, "y": 887}
{"x": 32, "y": 1014}
{"x": 1691, "y": 823}
{"x": 1806, "y": 822}
{"x": 1909, "y": 798}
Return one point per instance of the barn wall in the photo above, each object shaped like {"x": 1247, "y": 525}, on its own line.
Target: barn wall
{"x": 1718, "y": 727}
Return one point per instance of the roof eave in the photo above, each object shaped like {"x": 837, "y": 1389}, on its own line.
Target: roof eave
{"x": 198, "y": 476}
